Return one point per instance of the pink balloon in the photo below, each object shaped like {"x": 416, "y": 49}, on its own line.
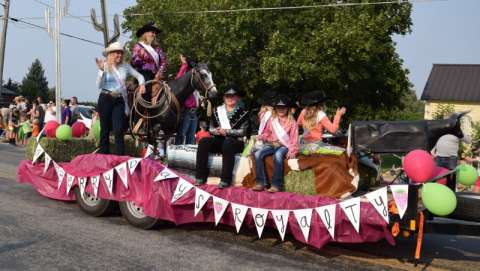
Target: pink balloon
{"x": 477, "y": 184}
{"x": 440, "y": 171}
{"x": 419, "y": 166}
{"x": 51, "y": 128}
{"x": 78, "y": 129}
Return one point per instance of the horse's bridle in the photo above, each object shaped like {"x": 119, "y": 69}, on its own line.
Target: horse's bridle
{"x": 196, "y": 76}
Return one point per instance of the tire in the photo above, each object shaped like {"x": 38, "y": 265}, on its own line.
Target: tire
{"x": 94, "y": 206}
{"x": 468, "y": 207}
{"x": 135, "y": 216}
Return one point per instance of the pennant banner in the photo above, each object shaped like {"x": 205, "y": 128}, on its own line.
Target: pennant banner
{"x": 122, "y": 173}
{"x": 132, "y": 164}
{"x": 60, "y": 174}
{"x": 182, "y": 188}
{"x": 281, "y": 221}
{"x": 201, "y": 197}
{"x": 351, "y": 208}
{"x": 219, "y": 207}
{"x": 108, "y": 178}
{"x": 239, "y": 212}
{"x": 304, "y": 219}
{"x": 70, "y": 180}
{"x": 165, "y": 174}
{"x": 327, "y": 214}
{"x": 95, "y": 184}
{"x": 260, "y": 219}
{"x": 400, "y": 195}
{"x": 48, "y": 159}
{"x": 82, "y": 183}
{"x": 38, "y": 152}
{"x": 149, "y": 151}
{"x": 379, "y": 200}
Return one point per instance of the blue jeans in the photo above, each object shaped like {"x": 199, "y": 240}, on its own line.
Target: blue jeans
{"x": 188, "y": 128}
{"x": 278, "y": 157}
{"x": 446, "y": 162}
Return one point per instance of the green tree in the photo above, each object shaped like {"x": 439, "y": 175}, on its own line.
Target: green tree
{"x": 34, "y": 83}
{"x": 12, "y": 85}
{"x": 442, "y": 111}
{"x": 348, "y": 52}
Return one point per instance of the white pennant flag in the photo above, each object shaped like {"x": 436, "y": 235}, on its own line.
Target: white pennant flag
{"x": 149, "y": 151}
{"x": 38, "y": 152}
{"x": 219, "y": 207}
{"x": 122, "y": 172}
{"x": 108, "y": 178}
{"x": 400, "y": 195}
{"x": 70, "y": 180}
{"x": 239, "y": 212}
{"x": 304, "y": 219}
{"x": 82, "y": 183}
{"x": 60, "y": 174}
{"x": 48, "y": 159}
{"x": 86, "y": 121}
{"x": 201, "y": 197}
{"x": 351, "y": 208}
{"x": 281, "y": 221}
{"x": 40, "y": 135}
{"x": 182, "y": 188}
{"x": 327, "y": 214}
{"x": 132, "y": 164}
{"x": 165, "y": 174}
{"x": 379, "y": 200}
{"x": 260, "y": 219}
{"x": 95, "y": 184}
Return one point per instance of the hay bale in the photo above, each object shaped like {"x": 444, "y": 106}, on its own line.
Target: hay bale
{"x": 301, "y": 182}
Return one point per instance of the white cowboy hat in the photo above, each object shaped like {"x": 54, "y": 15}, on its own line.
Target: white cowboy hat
{"x": 115, "y": 46}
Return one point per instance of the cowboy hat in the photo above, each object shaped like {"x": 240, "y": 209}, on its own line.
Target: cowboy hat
{"x": 113, "y": 47}
{"x": 147, "y": 28}
{"x": 233, "y": 90}
{"x": 312, "y": 98}
{"x": 282, "y": 100}
{"x": 267, "y": 97}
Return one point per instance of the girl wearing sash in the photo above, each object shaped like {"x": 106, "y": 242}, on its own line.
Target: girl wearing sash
{"x": 280, "y": 139}
{"x": 228, "y": 125}
{"x": 147, "y": 56}
{"x": 112, "y": 102}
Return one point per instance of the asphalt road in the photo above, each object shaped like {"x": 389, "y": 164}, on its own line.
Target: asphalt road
{"x": 41, "y": 234}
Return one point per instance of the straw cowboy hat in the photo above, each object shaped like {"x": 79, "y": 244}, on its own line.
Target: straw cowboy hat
{"x": 113, "y": 47}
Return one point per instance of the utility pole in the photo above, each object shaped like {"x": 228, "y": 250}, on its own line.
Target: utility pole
{"x": 6, "y": 8}
{"x": 58, "y": 83}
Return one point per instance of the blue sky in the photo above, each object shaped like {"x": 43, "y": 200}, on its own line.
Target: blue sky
{"x": 443, "y": 32}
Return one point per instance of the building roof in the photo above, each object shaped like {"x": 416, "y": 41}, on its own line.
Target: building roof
{"x": 453, "y": 82}
{"x": 7, "y": 91}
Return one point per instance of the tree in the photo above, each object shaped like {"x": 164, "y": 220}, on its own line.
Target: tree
{"x": 347, "y": 52}
{"x": 442, "y": 111}
{"x": 12, "y": 85}
{"x": 34, "y": 83}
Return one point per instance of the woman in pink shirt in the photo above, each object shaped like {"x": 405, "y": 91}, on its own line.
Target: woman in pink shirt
{"x": 280, "y": 139}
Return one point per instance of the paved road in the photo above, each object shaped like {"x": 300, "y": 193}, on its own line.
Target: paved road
{"x": 41, "y": 234}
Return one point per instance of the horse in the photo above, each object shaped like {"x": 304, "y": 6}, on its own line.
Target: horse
{"x": 162, "y": 114}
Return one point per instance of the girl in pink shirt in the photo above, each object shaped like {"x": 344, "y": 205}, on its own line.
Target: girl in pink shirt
{"x": 280, "y": 139}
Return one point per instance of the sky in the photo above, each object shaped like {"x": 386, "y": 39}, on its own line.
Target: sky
{"x": 442, "y": 32}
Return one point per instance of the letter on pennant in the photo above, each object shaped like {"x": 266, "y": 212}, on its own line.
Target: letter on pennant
{"x": 239, "y": 212}
{"x": 108, "y": 178}
{"x": 379, "y": 200}
{"x": 400, "y": 195}
{"x": 281, "y": 221}
{"x": 327, "y": 214}
{"x": 132, "y": 164}
{"x": 351, "y": 208}
{"x": 304, "y": 219}
{"x": 260, "y": 219}
{"x": 182, "y": 188}
{"x": 38, "y": 152}
{"x": 82, "y": 183}
{"x": 201, "y": 197}
{"x": 219, "y": 207}
{"x": 122, "y": 173}
{"x": 165, "y": 174}
{"x": 149, "y": 151}
{"x": 60, "y": 174}
{"x": 70, "y": 180}
{"x": 48, "y": 159}
{"x": 95, "y": 183}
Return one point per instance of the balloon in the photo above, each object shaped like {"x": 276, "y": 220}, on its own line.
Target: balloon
{"x": 51, "y": 128}
{"x": 78, "y": 129}
{"x": 64, "y": 132}
{"x": 440, "y": 171}
{"x": 466, "y": 174}
{"x": 438, "y": 199}
{"x": 96, "y": 129}
{"x": 419, "y": 166}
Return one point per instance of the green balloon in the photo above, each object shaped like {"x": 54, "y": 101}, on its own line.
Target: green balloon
{"x": 96, "y": 129}
{"x": 466, "y": 174}
{"x": 438, "y": 199}
{"x": 64, "y": 132}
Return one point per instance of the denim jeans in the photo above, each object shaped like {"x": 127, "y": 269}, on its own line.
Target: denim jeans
{"x": 188, "y": 128}
{"x": 278, "y": 157}
{"x": 112, "y": 117}
{"x": 446, "y": 162}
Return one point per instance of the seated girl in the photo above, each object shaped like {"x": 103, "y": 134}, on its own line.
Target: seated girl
{"x": 280, "y": 139}
{"x": 313, "y": 120}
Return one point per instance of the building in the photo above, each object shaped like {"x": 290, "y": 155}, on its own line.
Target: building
{"x": 6, "y": 96}
{"x": 456, "y": 85}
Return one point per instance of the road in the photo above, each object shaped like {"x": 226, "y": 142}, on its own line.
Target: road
{"x": 41, "y": 234}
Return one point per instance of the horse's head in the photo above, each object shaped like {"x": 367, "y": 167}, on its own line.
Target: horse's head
{"x": 203, "y": 80}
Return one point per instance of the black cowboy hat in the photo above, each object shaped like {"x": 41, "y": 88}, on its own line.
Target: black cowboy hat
{"x": 282, "y": 100}
{"x": 147, "y": 28}
{"x": 191, "y": 61}
{"x": 267, "y": 97}
{"x": 312, "y": 98}
{"x": 233, "y": 89}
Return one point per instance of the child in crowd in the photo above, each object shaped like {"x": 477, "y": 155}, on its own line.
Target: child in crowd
{"x": 25, "y": 129}
{"x": 280, "y": 139}
{"x": 13, "y": 126}
{"x": 35, "y": 127}
{"x": 203, "y": 132}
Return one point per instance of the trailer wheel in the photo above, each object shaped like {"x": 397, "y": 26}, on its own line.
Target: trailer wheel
{"x": 468, "y": 206}
{"x": 135, "y": 216}
{"x": 92, "y": 205}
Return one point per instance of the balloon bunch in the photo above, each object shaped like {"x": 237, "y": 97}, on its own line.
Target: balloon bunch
{"x": 65, "y": 132}
{"x": 436, "y": 196}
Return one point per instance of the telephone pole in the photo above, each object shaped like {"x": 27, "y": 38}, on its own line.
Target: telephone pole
{"x": 6, "y": 8}
{"x": 58, "y": 86}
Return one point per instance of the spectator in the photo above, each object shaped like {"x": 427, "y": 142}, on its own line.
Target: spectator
{"x": 24, "y": 129}
{"x": 41, "y": 103}
{"x": 66, "y": 116}
{"x": 36, "y": 127}
{"x": 50, "y": 112}
{"x": 73, "y": 109}
{"x": 203, "y": 132}
{"x": 38, "y": 113}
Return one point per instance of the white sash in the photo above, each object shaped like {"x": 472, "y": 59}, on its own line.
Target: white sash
{"x": 320, "y": 116}
{"x": 263, "y": 121}
{"x": 223, "y": 118}
{"x": 116, "y": 75}
{"x": 280, "y": 132}
{"x": 153, "y": 53}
